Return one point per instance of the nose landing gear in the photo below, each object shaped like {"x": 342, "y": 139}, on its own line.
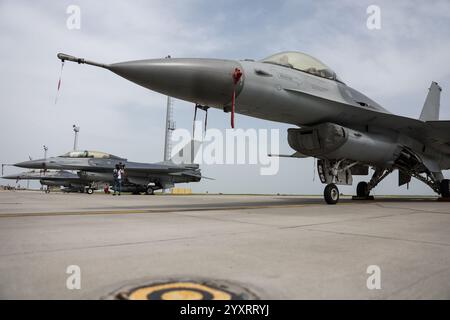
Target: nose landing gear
{"x": 332, "y": 173}
{"x": 331, "y": 194}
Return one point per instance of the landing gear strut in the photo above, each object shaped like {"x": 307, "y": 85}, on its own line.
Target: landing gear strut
{"x": 331, "y": 194}
{"x": 332, "y": 173}
{"x": 363, "y": 188}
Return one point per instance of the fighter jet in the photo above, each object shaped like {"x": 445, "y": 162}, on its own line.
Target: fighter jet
{"x": 70, "y": 182}
{"x": 95, "y": 167}
{"x": 344, "y": 129}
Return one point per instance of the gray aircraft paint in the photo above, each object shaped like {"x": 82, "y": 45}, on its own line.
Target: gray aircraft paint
{"x": 51, "y": 178}
{"x": 162, "y": 174}
{"x": 283, "y": 94}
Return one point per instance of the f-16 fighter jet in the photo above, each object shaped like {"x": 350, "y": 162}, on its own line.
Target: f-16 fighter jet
{"x": 344, "y": 129}
{"x": 94, "y": 166}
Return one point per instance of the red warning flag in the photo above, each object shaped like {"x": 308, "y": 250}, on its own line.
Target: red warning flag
{"x": 237, "y": 74}
{"x": 59, "y": 81}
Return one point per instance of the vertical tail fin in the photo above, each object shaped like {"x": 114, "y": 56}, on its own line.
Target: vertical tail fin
{"x": 430, "y": 110}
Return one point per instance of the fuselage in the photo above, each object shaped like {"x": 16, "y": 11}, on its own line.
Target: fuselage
{"x": 282, "y": 94}
{"x": 101, "y": 169}
{"x": 292, "y": 88}
{"x": 347, "y": 131}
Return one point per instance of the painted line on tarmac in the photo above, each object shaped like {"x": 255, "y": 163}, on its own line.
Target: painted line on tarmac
{"x": 115, "y": 212}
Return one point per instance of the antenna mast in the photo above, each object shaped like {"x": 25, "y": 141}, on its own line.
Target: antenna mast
{"x": 170, "y": 126}
{"x": 75, "y": 141}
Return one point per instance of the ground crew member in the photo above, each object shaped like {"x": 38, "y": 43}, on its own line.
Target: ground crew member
{"x": 117, "y": 175}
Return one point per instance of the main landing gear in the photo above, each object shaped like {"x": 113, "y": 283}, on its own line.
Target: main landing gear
{"x": 444, "y": 188}
{"x": 363, "y": 188}
{"x": 331, "y": 193}
{"x": 362, "y": 191}
{"x": 339, "y": 172}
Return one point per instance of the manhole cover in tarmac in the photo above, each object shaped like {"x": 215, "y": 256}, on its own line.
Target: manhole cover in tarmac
{"x": 184, "y": 290}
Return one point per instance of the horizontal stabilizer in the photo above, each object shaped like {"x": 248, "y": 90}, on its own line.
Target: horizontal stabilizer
{"x": 196, "y": 175}
{"x": 189, "y": 174}
{"x": 430, "y": 110}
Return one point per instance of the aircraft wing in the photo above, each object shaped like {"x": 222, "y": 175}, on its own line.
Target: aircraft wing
{"x": 155, "y": 168}
{"x": 434, "y": 133}
{"x": 437, "y": 133}
{"x": 431, "y": 133}
{"x": 137, "y": 167}
{"x": 443, "y": 127}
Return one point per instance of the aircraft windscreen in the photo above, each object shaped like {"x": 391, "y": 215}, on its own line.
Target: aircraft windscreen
{"x": 89, "y": 154}
{"x": 303, "y": 62}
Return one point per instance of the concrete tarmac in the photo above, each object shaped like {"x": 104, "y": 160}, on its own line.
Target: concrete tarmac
{"x": 277, "y": 247}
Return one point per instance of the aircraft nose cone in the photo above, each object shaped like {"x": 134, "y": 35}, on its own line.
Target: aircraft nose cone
{"x": 203, "y": 81}
{"x": 11, "y": 176}
{"x": 32, "y": 164}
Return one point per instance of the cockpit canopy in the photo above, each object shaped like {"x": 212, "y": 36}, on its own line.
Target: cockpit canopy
{"x": 303, "y": 62}
{"x": 89, "y": 154}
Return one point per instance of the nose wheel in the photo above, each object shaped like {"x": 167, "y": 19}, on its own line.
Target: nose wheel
{"x": 150, "y": 191}
{"x": 331, "y": 194}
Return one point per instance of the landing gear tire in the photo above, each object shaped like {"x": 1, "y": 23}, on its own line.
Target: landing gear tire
{"x": 362, "y": 190}
{"x": 90, "y": 191}
{"x": 331, "y": 194}
{"x": 150, "y": 191}
{"x": 445, "y": 188}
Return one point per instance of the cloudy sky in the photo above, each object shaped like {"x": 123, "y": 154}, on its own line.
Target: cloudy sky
{"x": 394, "y": 66}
